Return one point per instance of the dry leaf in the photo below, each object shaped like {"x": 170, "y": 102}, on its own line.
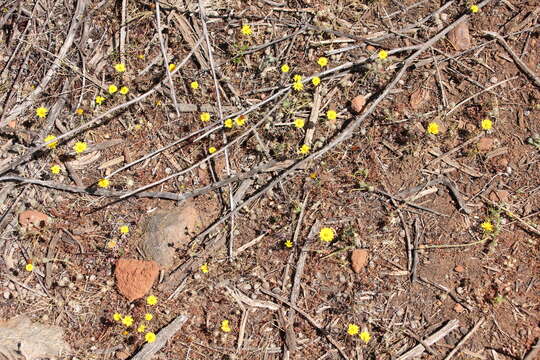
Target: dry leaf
{"x": 418, "y": 97}
{"x": 459, "y": 36}
{"x": 19, "y": 336}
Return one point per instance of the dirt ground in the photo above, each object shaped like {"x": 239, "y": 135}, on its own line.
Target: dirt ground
{"x": 445, "y": 204}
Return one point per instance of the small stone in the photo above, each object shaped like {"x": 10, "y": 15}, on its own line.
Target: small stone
{"x": 370, "y": 48}
{"x": 459, "y": 269}
{"x": 459, "y": 36}
{"x": 33, "y": 218}
{"x": 135, "y": 278}
{"x": 459, "y": 309}
{"x": 485, "y": 144}
{"x": 357, "y": 104}
{"x": 359, "y": 259}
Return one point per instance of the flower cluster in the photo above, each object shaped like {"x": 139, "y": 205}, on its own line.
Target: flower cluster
{"x": 353, "y": 329}
{"x": 128, "y": 322}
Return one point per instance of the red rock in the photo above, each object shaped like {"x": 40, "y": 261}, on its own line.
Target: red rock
{"x": 359, "y": 259}
{"x": 459, "y": 269}
{"x": 135, "y": 278}
{"x": 357, "y": 104}
{"x": 33, "y": 217}
{"x": 485, "y": 144}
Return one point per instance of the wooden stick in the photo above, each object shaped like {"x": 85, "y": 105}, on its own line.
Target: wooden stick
{"x": 150, "y": 349}
{"x": 465, "y": 338}
{"x": 432, "y": 339}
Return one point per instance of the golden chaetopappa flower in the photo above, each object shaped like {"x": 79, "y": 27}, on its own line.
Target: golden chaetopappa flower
{"x": 326, "y": 234}
{"x": 474, "y": 8}
{"x": 316, "y": 81}
{"x": 111, "y": 244}
{"x": 205, "y": 116}
{"x": 150, "y": 337}
{"x": 194, "y": 85}
{"x": 124, "y": 90}
{"x": 103, "y": 183}
{"x": 297, "y": 77}
{"x": 486, "y": 124}
{"x": 288, "y": 244}
{"x": 172, "y": 67}
{"x": 148, "y": 316}
{"x": 383, "y": 54}
{"x": 124, "y": 229}
{"x": 240, "y": 121}
{"x": 204, "y": 268}
{"x": 299, "y": 123}
{"x": 120, "y": 67}
{"x": 225, "y": 326}
{"x": 80, "y": 146}
{"x": 29, "y": 267}
{"x": 304, "y": 149}
{"x": 212, "y": 149}
{"x": 322, "y": 61}
{"x": 79, "y": 111}
{"x": 152, "y": 300}
{"x": 228, "y": 123}
{"x": 141, "y": 328}
{"x": 298, "y": 86}
{"x": 331, "y": 114}
{"x": 42, "y": 112}
{"x": 365, "y": 336}
{"x": 99, "y": 100}
{"x": 117, "y": 316}
{"x": 433, "y": 128}
{"x": 487, "y": 226}
{"x": 285, "y": 68}
{"x": 353, "y": 329}
{"x": 127, "y": 320}
{"x": 112, "y": 89}
{"x": 50, "y": 138}
{"x": 246, "y": 30}
{"x": 55, "y": 169}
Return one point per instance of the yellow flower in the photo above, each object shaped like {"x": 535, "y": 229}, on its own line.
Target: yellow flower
{"x": 79, "y": 111}
{"x": 212, "y": 149}
{"x": 225, "y": 326}
{"x": 288, "y": 244}
{"x": 204, "y": 268}
{"x": 246, "y": 30}
{"x": 433, "y": 128}
{"x": 316, "y": 81}
{"x": 140, "y": 56}
{"x": 99, "y": 100}
{"x": 487, "y": 226}
{"x": 228, "y": 123}
{"x": 150, "y": 337}
{"x": 304, "y": 149}
{"x": 487, "y": 124}
{"x": 141, "y": 328}
{"x": 352, "y": 329}
{"x": 103, "y": 183}
{"x": 55, "y": 169}
{"x": 50, "y": 138}
{"x": 80, "y": 146}
{"x": 151, "y": 300}
{"x": 172, "y": 67}
{"x": 298, "y": 86}
{"x": 124, "y": 90}
{"x": 112, "y": 89}
{"x": 127, "y": 320}
{"x": 124, "y": 229}
{"x": 383, "y": 54}
{"x": 299, "y": 123}
{"x": 194, "y": 85}
{"x": 297, "y": 78}
{"x": 29, "y": 267}
{"x": 474, "y": 9}
{"x": 365, "y": 336}
{"x": 285, "y": 68}
{"x": 331, "y": 115}
{"x": 42, "y": 112}
{"x": 120, "y": 67}
{"x": 322, "y": 61}
{"x": 111, "y": 244}
{"x": 205, "y": 116}
{"x": 326, "y": 234}
{"x": 240, "y": 121}
{"x": 117, "y": 317}
{"x": 148, "y": 316}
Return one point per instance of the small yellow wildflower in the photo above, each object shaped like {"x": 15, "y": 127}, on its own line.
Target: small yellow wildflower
{"x": 29, "y": 267}
{"x": 141, "y": 328}
{"x": 326, "y": 234}
{"x": 194, "y": 85}
{"x": 322, "y": 61}
{"x": 151, "y": 300}
{"x": 316, "y": 81}
{"x": 383, "y": 54}
{"x": 433, "y": 128}
{"x": 225, "y": 326}
{"x": 124, "y": 90}
{"x": 298, "y": 86}
{"x": 172, "y": 67}
{"x": 125, "y": 333}
{"x": 120, "y": 67}
{"x": 127, "y": 320}
{"x": 55, "y": 169}
{"x": 117, "y": 317}
{"x": 487, "y": 226}
{"x": 141, "y": 56}
{"x": 474, "y": 9}
{"x": 99, "y": 100}
{"x": 204, "y": 268}
{"x": 42, "y": 112}
{"x": 124, "y": 229}
{"x": 148, "y": 316}
{"x": 103, "y": 183}
{"x": 297, "y": 77}
{"x": 288, "y": 244}
{"x": 304, "y": 149}
{"x": 285, "y": 68}
{"x": 365, "y": 336}
{"x": 205, "y": 116}
{"x": 111, "y": 244}
{"x": 246, "y": 30}
{"x": 352, "y": 329}
{"x": 331, "y": 115}
{"x": 150, "y": 337}
{"x": 80, "y": 146}
{"x": 50, "y": 138}
{"x": 240, "y": 121}
{"x": 487, "y": 124}
{"x": 299, "y": 123}
{"x": 228, "y": 123}
{"x": 79, "y": 111}
{"x": 112, "y": 89}
{"x": 212, "y": 149}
